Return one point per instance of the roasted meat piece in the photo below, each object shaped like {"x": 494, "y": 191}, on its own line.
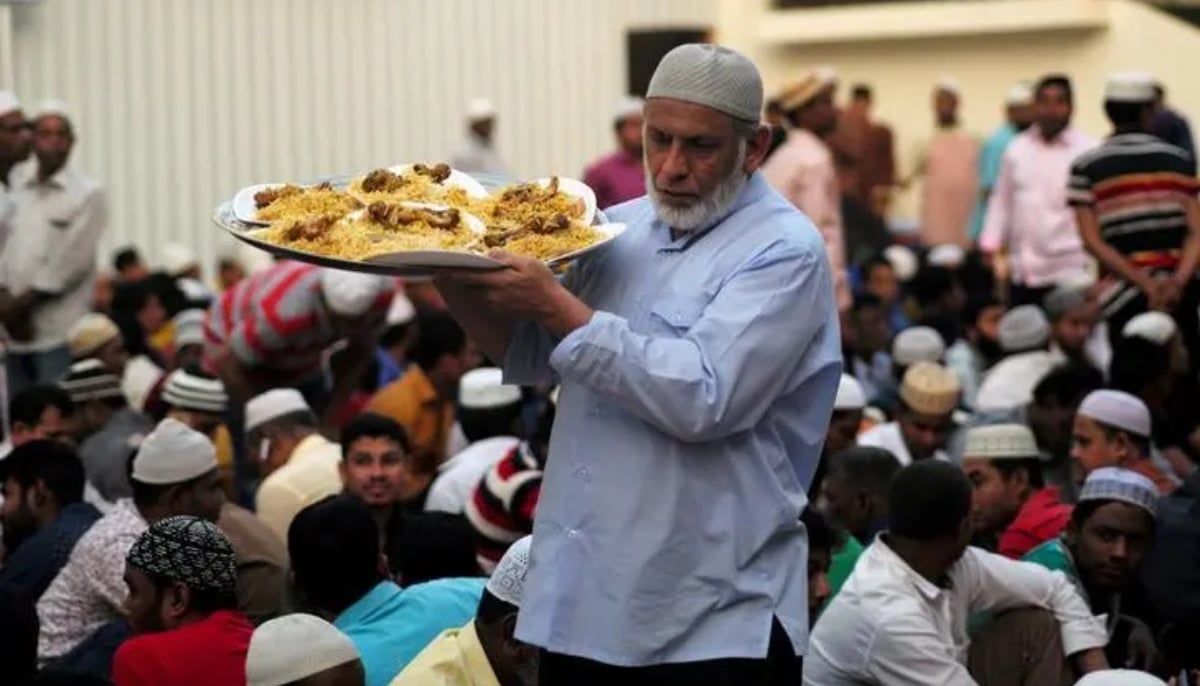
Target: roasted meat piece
{"x": 310, "y": 229}
{"x": 267, "y": 196}
{"x": 438, "y": 172}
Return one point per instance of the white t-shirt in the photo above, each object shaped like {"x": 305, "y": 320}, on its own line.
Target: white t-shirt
{"x": 458, "y": 476}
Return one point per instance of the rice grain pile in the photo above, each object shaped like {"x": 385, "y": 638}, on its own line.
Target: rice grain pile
{"x": 313, "y": 202}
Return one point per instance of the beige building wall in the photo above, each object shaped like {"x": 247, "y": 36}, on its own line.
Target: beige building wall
{"x": 178, "y": 103}
{"x": 986, "y": 44}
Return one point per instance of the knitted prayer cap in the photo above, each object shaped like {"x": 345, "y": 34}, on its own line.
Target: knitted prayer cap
{"x": 188, "y": 550}
{"x": 710, "y": 75}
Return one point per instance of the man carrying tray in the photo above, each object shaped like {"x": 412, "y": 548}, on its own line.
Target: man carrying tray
{"x": 699, "y": 356}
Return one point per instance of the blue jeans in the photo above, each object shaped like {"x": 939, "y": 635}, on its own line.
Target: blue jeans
{"x": 29, "y": 369}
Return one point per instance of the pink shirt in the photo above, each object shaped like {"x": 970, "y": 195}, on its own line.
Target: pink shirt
{"x": 616, "y": 178}
{"x": 950, "y": 189}
{"x": 802, "y": 171}
{"x": 1028, "y": 211}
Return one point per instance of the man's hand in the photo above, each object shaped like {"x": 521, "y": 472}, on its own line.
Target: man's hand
{"x": 1091, "y": 660}
{"x": 524, "y": 288}
{"x": 1140, "y": 647}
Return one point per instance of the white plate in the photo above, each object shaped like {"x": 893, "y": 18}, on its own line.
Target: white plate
{"x": 244, "y": 207}
{"x": 457, "y": 179}
{"x": 579, "y": 190}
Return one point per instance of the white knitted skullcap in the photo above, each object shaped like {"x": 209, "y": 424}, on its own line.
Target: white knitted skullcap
{"x": 903, "y": 261}
{"x": 917, "y": 344}
{"x": 1001, "y": 442}
{"x": 189, "y": 328}
{"x": 629, "y": 106}
{"x": 1117, "y": 409}
{"x": 1125, "y": 485}
{"x": 292, "y": 647}
{"x": 272, "y": 405}
{"x": 172, "y": 454}
{"x": 1130, "y": 86}
{"x": 195, "y": 391}
{"x": 484, "y": 388}
{"x": 1019, "y": 94}
{"x": 1119, "y": 677}
{"x": 9, "y": 102}
{"x": 350, "y": 293}
{"x": 850, "y": 394}
{"x": 946, "y": 255}
{"x": 480, "y": 109}
{"x": 712, "y": 76}
{"x": 1156, "y": 327}
{"x": 948, "y": 84}
{"x": 507, "y": 582}
{"x": 1022, "y": 328}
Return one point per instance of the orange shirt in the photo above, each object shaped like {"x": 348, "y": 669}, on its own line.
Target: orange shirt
{"x": 415, "y": 404}
{"x": 1146, "y": 468}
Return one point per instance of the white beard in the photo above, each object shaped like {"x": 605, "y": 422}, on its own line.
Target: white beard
{"x": 714, "y": 205}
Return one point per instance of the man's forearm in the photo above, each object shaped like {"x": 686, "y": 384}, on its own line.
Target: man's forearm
{"x": 1190, "y": 257}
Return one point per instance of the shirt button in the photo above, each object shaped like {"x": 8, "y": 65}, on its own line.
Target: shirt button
{"x": 572, "y": 533}
{"x": 582, "y": 473}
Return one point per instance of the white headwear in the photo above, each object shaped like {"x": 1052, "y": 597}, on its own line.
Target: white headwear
{"x": 1000, "y": 442}
{"x": 9, "y": 102}
{"x": 946, "y": 255}
{"x": 1119, "y": 677}
{"x": 195, "y": 291}
{"x": 507, "y": 582}
{"x": 1125, "y": 485}
{"x": 292, "y": 647}
{"x": 930, "y": 388}
{"x": 629, "y": 106}
{"x": 173, "y": 453}
{"x": 177, "y": 259}
{"x": 712, "y": 76}
{"x": 850, "y": 394}
{"x": 186, "y": 390}
{"x": 1130, "y": 86}
{"x": 917, "y": 344}
{"x": 1156, "y": 327}
{"x": 272, "y": 405}
{"x": 189, "y": 328}
{"x": 1022, "y": 328}
{"x": 1117, "y": 409}
{"x": 401, "y": 311}
{"x": 948, "y": 84}
{"x": 826, "y": 74}
{"x": 89, "y": 333}
{"x": 903, "y": 261}
{"x": 350, "y": 293}
{"x": 50, "y": 108}
{"x": 1019, "y": 94}
{"x": 479, "y": 109}
{"x": 484, "y": 388}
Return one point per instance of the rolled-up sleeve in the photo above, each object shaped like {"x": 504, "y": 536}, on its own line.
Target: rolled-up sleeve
{"x": 720, "y": 372}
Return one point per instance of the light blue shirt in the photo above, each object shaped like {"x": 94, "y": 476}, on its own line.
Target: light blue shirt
{"x": 391, "y": 625}
{"x": 990, "y": 159}
{"x": 693, "y": 409}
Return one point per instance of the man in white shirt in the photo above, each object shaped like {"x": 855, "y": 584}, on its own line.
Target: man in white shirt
{"x": 489, "y": 412}
{"x": 901, "y": 618}
{"x": 924, "y": 419}
{"x": 478, "y": 153}
{"x": 1025, "y": 339}
{"x": 49, "y": 263}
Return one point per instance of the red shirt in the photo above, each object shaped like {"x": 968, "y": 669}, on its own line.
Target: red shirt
{"x": 211, "y": 652}
{"x": 1041, "y": 518}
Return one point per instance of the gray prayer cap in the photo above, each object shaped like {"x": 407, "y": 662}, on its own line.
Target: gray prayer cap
{"x": 1062, "y": 300}
{"x": 1023, "y": 328}
{"x": 712, "y": 76}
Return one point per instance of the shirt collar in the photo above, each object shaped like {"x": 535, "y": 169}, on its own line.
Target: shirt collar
{"x": 756, "y": 188}
{"x": 63, "y": 179}
{"x": 376, "y": 597}
{"x": 927, "y": 589}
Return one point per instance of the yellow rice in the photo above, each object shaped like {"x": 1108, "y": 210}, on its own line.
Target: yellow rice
{"x": 313, "y": 202}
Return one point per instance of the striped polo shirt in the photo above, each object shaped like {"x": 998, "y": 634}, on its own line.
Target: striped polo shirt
{"x": 275, "y": 323}
{"x": 1137, "y": 184}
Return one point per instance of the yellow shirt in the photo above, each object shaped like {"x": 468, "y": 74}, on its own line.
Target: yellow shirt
{"x": 311, "y": 473}
{"x": 455, "y": 658}
{"x": 414, "y": 403}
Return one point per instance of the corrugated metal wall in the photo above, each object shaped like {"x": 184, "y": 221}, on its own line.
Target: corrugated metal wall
{"x": 178, "y": 103}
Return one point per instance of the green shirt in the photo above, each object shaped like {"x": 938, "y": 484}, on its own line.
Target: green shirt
{"x": 841, "y": 564}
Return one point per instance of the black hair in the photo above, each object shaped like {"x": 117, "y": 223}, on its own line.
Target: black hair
{"x": 128, "y": 299}
{"x": 1137, "y": 362}
{"x": 543, "y": 427}
{"x": 371, "y": 425}
{"x": 173, "y": 300}
{"x": 821, "y": 536}
{"x": 1083, "y": 510}
{"x": 493, "y": 610}
{"x": 394, "y": 335}
{"x": 975, "y": 307}
{"x": 863, "y": 301}
{"x": 1126, "y": 115}
{"x": 1031, "y": 465}
{"x": 28, "y": 405}
{"x": 1056, "y": 81}
{"x": 52, "y": 677}
{"x": 18, "y": 637}
{"x": 933, "y": 282}
{"x": 861, "y": 91}
{"x": 1141, "y": 443}
{"x": 147, "y": 495}
{"x": 481, "y": 423}
{"x": 125, "y": 258}
{"x": 205, "y": 602}
{"x": 928, "y": 500}
{"x": 334, "y": 550}
{"x": 436, "y": 545}
{"x": 437, "y": 335}
{"x": 872, "y": 264}
{"x": 1068, "y": 384}
{"x": 867, "y": 468}
{"x": 54, "y": 463}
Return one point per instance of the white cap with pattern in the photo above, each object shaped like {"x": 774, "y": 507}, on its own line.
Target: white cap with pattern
{"x": 712, "y": 76}
{"x": 1115, "y": 483}
{"x": 1001, "y": 442}
{"x": 507, "y": 582}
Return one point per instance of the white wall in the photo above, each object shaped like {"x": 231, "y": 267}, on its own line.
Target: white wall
{"x": 178, "y": 103}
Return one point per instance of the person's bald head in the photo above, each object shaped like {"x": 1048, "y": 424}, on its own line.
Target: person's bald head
{"x": 703, "y": 136}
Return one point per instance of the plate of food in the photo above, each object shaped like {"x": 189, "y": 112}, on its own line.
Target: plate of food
{"x": 263, "y": 203}
{"x": 417, "y": 182}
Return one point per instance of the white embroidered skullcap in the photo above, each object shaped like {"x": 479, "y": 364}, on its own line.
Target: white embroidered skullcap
{"x": 917, "y": 344}
{"x": 177, "y": 259}
{"x": 1130, "y": 86}
{"x": 90, "y": 333}
{"x": 930, "y": 388}
{"x": 272, "y": 405}
{"x": 9, "y": 102}
{"x": 401, "y": 310}
{"x": 52, "y": 107}
{"x": 484, "y": 389}
{"x": 948, "y": 84}
{"x": 189, "y": 328}
{"x": 1125, "y": 485}
{"x": 712, "y": 76}
{"x": 479, "y": 109}
{"x": 1001, "y": 442}
{"x": 903, "y": 261}
{"x": 507, "y": 582}
{"x": 1119, "y": 677}
{"x": 628, "y": 106}
{"x": 1019, "y": 94}
{"x": 946, "y": 255}
{"x": 1156, "y": 327}
{"x": 172, "y": 454}
{"x": 850, "y": 394}
{"x": 1022, "y": 328}
{"x": 1117, "y": 409}
{"x": 349, "y": 293}
{"x": 292, "y": 647}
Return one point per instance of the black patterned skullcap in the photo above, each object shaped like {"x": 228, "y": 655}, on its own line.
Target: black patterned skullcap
{"x": 188, "y": 550}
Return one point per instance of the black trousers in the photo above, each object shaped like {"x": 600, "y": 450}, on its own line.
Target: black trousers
{"x": 1019, "y": 294}
{"x": 781, "y": 667}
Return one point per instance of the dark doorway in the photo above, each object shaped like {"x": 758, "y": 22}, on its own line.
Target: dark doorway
{"x": 646, "y": 48}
